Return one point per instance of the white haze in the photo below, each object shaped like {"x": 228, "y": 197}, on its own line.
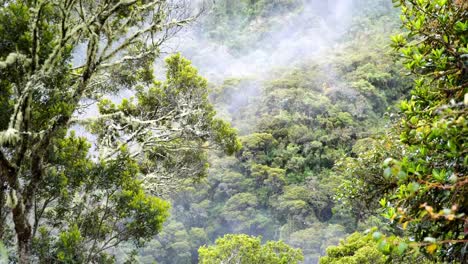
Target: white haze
{"x": 303, "y": 36}
{"x": 309, "y": 34}
{"x": 316, "y": 28}
{"x": 312, "y": 33}
{"x": 315, "y": 31}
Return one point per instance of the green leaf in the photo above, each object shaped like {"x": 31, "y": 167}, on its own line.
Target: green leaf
{"x": 441, "y": 3}
{"x": 387, "y": 172}
{"x": 377, "y": 235}
{"x": 402, "y": 248}
{"x": 383, "y": 202}
{"x": 461, "y": 27}
{"x": 440, "y": 176}
{"x": 384, "y": 247}
{"x": 452, "y": 146}
{"x": 413, "y": 187}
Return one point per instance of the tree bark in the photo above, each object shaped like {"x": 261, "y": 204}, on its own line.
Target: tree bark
{"x": 3, "y": 212}
{"x": 23, "y": 232}
{"x": 24, "y": 252}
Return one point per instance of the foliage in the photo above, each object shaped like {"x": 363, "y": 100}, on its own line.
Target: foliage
{"x": 245, "y": 249}
{"x": 429, "y": 199}
{"x": 241, "y": 24}
{"x": 296, "y": 125}
{"x": 314, "y": 165}
{"x": 315, "y": 239}
{"x": 357, "y": 248}
{"x": 365, "y": 248}
{"x": 62, "y": 199}
{"x": 363, "y": 184}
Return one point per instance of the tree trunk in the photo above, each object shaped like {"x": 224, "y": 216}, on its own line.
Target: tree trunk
{"x": 24, "y": 252}
{"x": 23, "y": 233}
{"x": 3, "y": 212}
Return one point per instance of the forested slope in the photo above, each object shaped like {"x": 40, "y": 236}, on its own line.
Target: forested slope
{"x": 282, "y": 131}
{"x": 297, "y": 121}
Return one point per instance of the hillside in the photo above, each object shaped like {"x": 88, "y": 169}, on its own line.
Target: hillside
{"x": 233, "y": 132}
{"x": 300, "y": 104}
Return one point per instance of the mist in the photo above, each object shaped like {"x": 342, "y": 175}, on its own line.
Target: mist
{"x": 309, "y": 34}
{"x": 300, "y": 37}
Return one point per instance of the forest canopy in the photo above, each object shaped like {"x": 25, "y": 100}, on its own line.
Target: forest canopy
{"x": 326, "y": 132}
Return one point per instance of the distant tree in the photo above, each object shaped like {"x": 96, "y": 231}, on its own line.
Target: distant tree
{"x": 242, "y": 214}
{"x": 313, "y": 240}
{"x": 357, "y": 248}
{"x": 365, "y": 249}
{"x": 244, "y": 249}
{"x": 59, "y": 202}
{"x": 362, "y": 184}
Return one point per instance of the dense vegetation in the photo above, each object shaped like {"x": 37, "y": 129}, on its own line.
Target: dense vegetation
{"x": 355, "y": 153}
{"x": 60, "y": 203}
{"x": 316, "y": 141}
{"x": 296, "y": 124}
{"x": 245, "y": 249}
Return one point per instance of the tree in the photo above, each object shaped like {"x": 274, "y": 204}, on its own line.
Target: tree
{"x": 242, "y": 213}
{"x": 430, "y": 197}
{"x": 364, "y": 248}
{"x": 362, "y": 183}
{"x": 246, "y": 249}
{"x": 315, "y": 239}
{"x": 357, "y": 248}
{"x": 51, "y": 182}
